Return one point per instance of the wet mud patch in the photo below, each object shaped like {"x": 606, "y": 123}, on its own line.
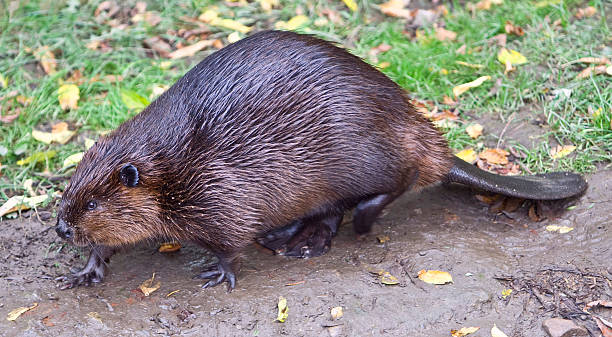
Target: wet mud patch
{"x": 442, "y": 228}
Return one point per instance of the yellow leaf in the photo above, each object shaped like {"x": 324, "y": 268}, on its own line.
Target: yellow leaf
{"x": 546, "y": 3}
{"x": 506, "y": 293}
{"x": 60, "y": 134}
{"x": 68, "y": 96}
{"x": 169, "y": 247}
{"x": 470, "y": 65}
{"x": 149, "y": 286}
{"x": 212, "y": 18}
{"x": 336, "y": 313}
{"x": 495, "y": 332}
{"x": 234, "y": 37}
{"x": 21, "y": 203}
{"x": 73, "y": 159}
{"x": 562, "y": 151}
{"x": 351, "y": 4}
{"x": 283, "y": 309}
{"x": 474, "y": 130}
{"x": 133, "y": 100}
{"x": 37, "y": 157}
{"x": 388, "y": 279}
{"x": 89, "y": 143}
{"x": 560, "y": 229}
{"x": 383, "y": 65}
{"x": 95, "y": 316}
{"x": 14, "y": 314}
{"x": 464, "y": 331}
{"x": 293, "y": 24}
{"x": 209, "y": 15}
{"x": 468, "y": 155}
{"x": 267, "y": 5}
{"x": 46, "y": 59}
{"x": 512, "y": 57}
{"x": 435, "y": 276}
{"x": 460, "y": 89}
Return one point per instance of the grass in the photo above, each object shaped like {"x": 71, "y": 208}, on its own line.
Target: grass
{"x": 424, "y": 66}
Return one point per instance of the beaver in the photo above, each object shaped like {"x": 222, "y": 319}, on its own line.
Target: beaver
{"x": 271, "y": 138}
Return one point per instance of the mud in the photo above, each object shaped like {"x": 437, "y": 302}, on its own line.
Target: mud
{"x": 440, "y": 228}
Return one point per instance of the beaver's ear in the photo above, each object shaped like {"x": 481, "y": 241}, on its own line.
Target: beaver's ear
{"x": 129, "y": 175}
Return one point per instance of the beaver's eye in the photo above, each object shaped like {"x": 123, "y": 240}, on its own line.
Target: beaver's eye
{"x": 92, "y": 205}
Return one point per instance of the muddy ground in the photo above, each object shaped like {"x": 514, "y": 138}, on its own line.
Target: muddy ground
{"x": 440, "y": 228}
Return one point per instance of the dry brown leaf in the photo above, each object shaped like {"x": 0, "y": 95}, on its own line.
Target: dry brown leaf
{"x": 512, "y": 29}
{"x": 597, "y": 70}
{"x": 593, "y": 60}
{"x": 59, "y": 134}
{"x": 474, "y": 130}
{"x": 500, "y": 39}
{"x": 561, "y": 151}
{"x": 461, "y": 50}
{"x": 396, "y": 8}
{"x": 494, "y": 156}
{"x": 158, "y": 44}
{"x": 586, "y": 12}
{"x": 149, "y": 17}
{"x": 382, "y": 238}
{"x": 149, "y": 286}
{"x": 605, "y": 329}
{"x": 445, "y": 35}
{"x": 435, "y": 276}
{"x": 190, "y": 50}
{"x": 488, "y": 199}
{"x": 602, "y": 303}
{"x": 14, "y": 314}
{"x": 47, "y": 60}
{"x": 448, "y": 101}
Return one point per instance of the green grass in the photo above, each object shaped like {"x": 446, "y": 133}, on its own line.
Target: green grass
{"x": 426, "y": 67}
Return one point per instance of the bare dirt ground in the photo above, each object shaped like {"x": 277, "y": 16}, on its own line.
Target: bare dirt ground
{"x": 552, "y": 274}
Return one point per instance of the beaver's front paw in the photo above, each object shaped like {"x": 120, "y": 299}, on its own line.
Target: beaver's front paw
{"x": 83, "y": 277}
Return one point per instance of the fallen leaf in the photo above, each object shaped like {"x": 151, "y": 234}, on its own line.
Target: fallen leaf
{"x": 460, "y": 89}
{"x": 506, "y": 293}
{"x": 95, "y": 316}
{"x": 494, "y": 156}
{"x": 606, "y": 329}
{"x": 351, "y": 4}
{"x": 586, "y": 12}
{"x": 464, "y": 331}
{"x": 59, "y": 134}
{"x": 470, "y": 65}
{"x": 149, "y": 17}
{"x": 461, "y": 50}
{"x": 598, "y": 70}
{"x": 47, "y": 59}
{"x": 382, "y": 238}
{"x": 602, "y": 303}
{"x": 474, "y": 130}
{"x": 513, "y": 57}
{"x": 133, "y": 100}
{"x": 448, "y": 101}
{"x": 172, "y": 292}
{"x": 89, "y": 143}
{"x": 169, "y": 247}
{"x": 512, "y": 29}
{"x": 149, "y": 286}
{"x": 68, "y": 96}
{"x": 560, "y": 229}
{"x": 395, "y": 8}
{"x": 593, "y": 60}
{"x": 212, "y": 18}
{"x": 190, "y": 50}
{"x": 158, "y": 44}
{"x": 234, "y": 37}
{"x": 468, "y": 155}
{"x": 3, "y": 82}
{"x": 267, "y": 5}
{"x": 283, "y": 309}
{"x": 388, "y": 279}
{"x": 445, "y": 35}
{"x": 336, "y": 313}
{"x": 294, "y": 283}
{"x": 37, "y": 157}
{"x": 21, "y": 203}
{"x": 73, "y": 159}
{"x": 14, "y": 314}
{"x": 561, "y": 151}
{"x": 495, "y": 332}
{"x": 500, "y": 39}
{"x": 293, "y": 23}
{"x": 435, "y": 277}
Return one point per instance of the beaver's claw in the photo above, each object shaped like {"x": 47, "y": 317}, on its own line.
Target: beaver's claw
{"x": 217, "y": 274}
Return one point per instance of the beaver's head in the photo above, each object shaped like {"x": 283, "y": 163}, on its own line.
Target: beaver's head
{"x": 110, "y": 199}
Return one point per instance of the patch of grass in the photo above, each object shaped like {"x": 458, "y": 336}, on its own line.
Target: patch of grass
{"x": 424, "y": 66}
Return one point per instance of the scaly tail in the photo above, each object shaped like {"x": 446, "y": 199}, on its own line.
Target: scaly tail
{"x": 547, "y": 186}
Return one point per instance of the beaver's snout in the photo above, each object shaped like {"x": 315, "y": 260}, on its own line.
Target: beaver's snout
{"x": 63, "y": 230}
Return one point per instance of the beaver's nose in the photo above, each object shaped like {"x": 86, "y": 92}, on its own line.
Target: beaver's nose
{"x": 63, "y": 230}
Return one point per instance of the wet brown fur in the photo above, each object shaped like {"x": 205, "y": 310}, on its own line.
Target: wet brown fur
{"x": 276, "y": 127}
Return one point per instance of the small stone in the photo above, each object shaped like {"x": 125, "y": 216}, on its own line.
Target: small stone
{"x": 558, "y": 327}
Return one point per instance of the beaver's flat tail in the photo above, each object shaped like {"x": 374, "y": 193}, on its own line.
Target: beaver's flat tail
{"x": 547, "y": 186}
